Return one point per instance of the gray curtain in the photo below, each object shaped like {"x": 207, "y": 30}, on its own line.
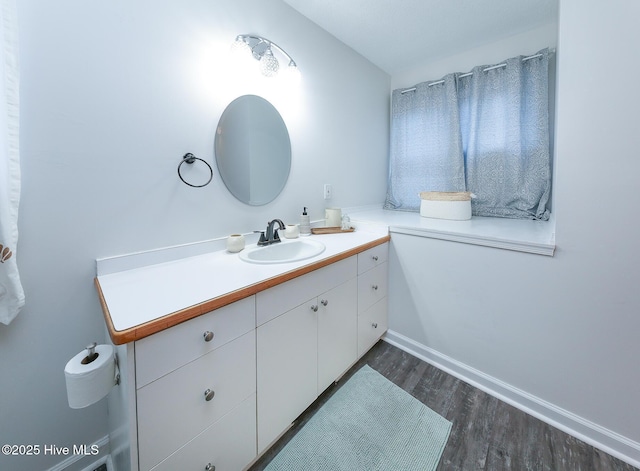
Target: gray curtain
{"x": 504, "y": 123}
{"x": 485, "y": 132}
{"x": 425, "y": 144}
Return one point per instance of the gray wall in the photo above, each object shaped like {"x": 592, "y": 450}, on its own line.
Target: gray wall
{"x": 113, "y": 94}
{"x": 564, "y": 329}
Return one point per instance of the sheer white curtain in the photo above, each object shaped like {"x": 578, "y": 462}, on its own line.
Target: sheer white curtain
{"x": 11, "y": 293}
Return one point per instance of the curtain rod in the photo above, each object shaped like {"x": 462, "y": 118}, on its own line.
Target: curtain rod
{"x": 468, "y": 74}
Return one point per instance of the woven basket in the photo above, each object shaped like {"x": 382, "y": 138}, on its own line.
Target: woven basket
{"x": 454, "y": 205}
{"x": 446, "y": 195}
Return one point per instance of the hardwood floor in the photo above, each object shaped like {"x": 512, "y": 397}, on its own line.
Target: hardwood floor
{"x": 487, "y": 434}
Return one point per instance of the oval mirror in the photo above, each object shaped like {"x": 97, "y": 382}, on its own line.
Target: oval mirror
{"x": 253, "y": 150}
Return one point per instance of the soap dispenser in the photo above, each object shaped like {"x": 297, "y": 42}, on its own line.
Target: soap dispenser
{"x": 305, "y": 224}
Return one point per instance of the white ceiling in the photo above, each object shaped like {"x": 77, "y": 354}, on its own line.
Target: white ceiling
{"x": 398, "y": 34}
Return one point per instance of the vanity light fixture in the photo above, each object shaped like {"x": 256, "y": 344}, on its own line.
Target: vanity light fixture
{"x": 262, "y": 50}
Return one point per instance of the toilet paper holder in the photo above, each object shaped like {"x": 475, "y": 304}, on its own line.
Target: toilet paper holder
{"x": 91, "y": 374}
{"x": 93, "y": 355}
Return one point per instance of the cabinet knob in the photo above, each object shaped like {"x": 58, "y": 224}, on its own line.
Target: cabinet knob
{"x": 208, "y": 394}
{"x": 314, "y": 308}
{"x": 324, "y": 302}
{"x": 375, "y": 287}
{"x": 375, "y": 258}
{"x": 208, "y": 336}
{"x": 209, "y": 467}
{"x": 374, "y": 325}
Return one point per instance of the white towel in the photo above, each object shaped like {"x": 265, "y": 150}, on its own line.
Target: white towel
{"x": 11, "y": 292}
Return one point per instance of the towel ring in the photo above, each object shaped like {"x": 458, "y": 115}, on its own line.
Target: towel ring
{"x": 190, "y": 158}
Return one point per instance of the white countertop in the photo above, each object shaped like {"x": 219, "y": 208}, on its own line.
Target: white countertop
{"x": 139, "y": 295}
{"x": 140, "y": 288}
{"x": 523, "y": 235}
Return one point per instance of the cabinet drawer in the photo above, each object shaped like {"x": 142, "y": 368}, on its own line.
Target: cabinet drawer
{"x": 282, "y": 298}
{"x": 372, "y": 258}
{"x": 372, "y": 324}
{"x": 168, "y": 350}
{"x": 372, "y": 287}
{"x": 172, "y": 410}
{"x": 229, "y": 444}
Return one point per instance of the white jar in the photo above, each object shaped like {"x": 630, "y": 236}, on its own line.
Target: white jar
{"x": 291, "y": 231}
{"x": 235, "y": 243}
{"x": 333, "y": 217}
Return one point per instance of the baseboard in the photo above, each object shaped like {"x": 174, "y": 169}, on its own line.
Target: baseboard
{"x": 106, "y": 460}
{"x": 606, "y": 440}
{"x": 82, "y": 462}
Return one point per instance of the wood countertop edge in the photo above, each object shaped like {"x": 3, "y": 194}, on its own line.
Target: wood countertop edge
{"x": 120, "y": 337}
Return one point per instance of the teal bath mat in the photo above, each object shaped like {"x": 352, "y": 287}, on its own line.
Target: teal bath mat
{"x": 368, "y": 424}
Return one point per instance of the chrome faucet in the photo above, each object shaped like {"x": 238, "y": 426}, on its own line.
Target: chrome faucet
{"x": 270, "y": 236}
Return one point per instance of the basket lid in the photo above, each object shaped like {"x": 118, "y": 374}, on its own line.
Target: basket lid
{"x": 446, "y": 195}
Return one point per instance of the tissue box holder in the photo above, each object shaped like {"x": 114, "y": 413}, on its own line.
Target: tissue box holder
{"x": 453, "y": 205}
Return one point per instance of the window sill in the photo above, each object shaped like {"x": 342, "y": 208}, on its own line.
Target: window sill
{"x": 536, "y": 237}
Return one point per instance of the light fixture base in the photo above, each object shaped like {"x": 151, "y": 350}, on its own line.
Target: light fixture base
{"x": 262, "y": 50}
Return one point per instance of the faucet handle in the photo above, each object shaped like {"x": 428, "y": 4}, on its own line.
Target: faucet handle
{"x": 263, "y": 238}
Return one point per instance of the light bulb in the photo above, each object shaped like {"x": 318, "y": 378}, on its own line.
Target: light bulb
{"x": 269, "y": 65}
{"x": 292, "y": 73}
{"x": 241, "y": 57}
{"x": 240, "y": 47}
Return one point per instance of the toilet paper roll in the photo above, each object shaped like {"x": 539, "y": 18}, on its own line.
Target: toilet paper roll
{"x": 89, "y": 382}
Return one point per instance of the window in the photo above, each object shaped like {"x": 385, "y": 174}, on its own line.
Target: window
{"x": 486, "y": 131}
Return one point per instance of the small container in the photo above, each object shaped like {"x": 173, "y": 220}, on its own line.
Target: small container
{"x": 305, "y": 223}
{"x": 291, "y": 231}
{"x": 333, "y": 217}
{"x": 346, "y": 222}
{"x": 235, "y": 243}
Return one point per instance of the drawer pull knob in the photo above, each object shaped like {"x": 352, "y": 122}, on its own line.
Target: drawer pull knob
{"x": 374, "y": 325}
{"x": 208, "y": 336}
{"x": 208, "y": 394}
{"x": 209, "y": 467}
{"x": 375, "y": 258}
{"x": 324, "y": 302}
{"x": 314, "y": 308}
{"x": 375, "y": 287}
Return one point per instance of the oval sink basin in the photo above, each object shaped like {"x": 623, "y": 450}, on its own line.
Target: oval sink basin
{"x": 283, "y": 252}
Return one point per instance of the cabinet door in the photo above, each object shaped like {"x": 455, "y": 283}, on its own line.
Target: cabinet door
{"x": 287, "y": 349}
{"x": 281, "y": 298}
{"x": 337, "y": 332}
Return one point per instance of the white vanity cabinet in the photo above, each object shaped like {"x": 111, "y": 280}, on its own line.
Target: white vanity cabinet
{"x": 214, "y": 372}
{"x": 373, "y": 281}
{"x": 306, "y": 339}
{"x": 195, "y": 392}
